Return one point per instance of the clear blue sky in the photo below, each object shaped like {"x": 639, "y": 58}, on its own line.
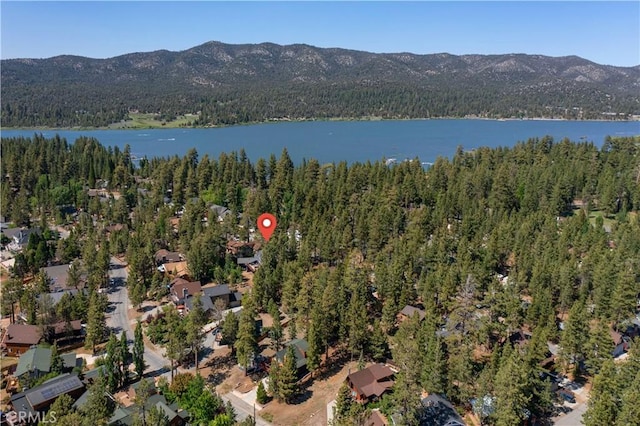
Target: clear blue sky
{"x": 602, "y": 31}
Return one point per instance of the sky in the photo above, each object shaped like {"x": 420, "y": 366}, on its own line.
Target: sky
{"x": 604, "y": 32}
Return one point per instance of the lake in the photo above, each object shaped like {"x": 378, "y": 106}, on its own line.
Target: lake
{"x": 351, "y": 141}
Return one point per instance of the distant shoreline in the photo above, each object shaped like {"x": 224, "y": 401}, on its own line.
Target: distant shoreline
{"x": 278, "y": 121}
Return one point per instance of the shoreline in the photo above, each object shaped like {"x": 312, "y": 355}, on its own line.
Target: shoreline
{"x": 337, "y": 119}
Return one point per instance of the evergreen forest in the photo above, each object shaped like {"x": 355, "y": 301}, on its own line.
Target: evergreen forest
{"x": 542, "y": 239}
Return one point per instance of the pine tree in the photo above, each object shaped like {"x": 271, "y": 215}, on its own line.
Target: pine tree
{"x": 57, "y": 365}
{"x": 603, "y": 406}
{"x": 630, "y": 404}
{"x": 112, "y": 364}
{"x": 96, "y": 323}
{"x": 138, "y": 351}
{"x": 344, "y": 401}
{"x": 261, "y": 394}
{"x": 247, "y": 343}
{"x": 124, "y": 356}
{"x": 288, "y": 376}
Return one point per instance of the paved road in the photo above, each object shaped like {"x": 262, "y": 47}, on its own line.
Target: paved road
{"x": 243, "y": 410}
{"x": 118, "y": 320}
{"x": 157, "y": 364}
{"x": 574, "y": 418}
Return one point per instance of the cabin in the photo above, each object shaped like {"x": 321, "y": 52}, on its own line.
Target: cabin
{"x": 19, "y": 338}
{"x": 436, "y": 410}
{"x": 36, "y": 401}
{"x": 301, "y": 347}
{"x": 409, "y": 311}
{"x": 165, "y": 256}
{"x": 370, "y": 384}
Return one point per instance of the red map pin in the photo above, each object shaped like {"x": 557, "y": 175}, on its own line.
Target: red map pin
{"x": 266, "y": 224}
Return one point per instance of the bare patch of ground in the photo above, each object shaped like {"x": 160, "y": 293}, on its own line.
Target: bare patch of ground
{"x": 311, "y": 409}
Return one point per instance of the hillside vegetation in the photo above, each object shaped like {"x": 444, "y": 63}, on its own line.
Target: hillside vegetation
{"x": 231, "y": 84}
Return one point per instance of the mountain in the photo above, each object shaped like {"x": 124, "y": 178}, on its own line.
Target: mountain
{"x": 229, "y": 84}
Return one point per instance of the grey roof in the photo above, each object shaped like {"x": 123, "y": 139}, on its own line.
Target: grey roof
{"x": 94, "y": 374}
{"x": 51, "y": 389}
{"x": 207, "y": 304}
{"x": 410, "y": 311}
{"x": 300, "y": 349}
{"x": 34, "y": 359}
{"x": 70, "y": 360}
{"x": 56, "y": 296}
{"x": 58, "y": 274}
{"x": 217, "y": 291}
{"x": 438, "y": 411}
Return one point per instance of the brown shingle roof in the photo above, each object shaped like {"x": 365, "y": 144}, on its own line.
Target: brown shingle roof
{"x": 22, "y": 334}
{"x": 192, "y": 288}
{"x": 372, "y": 381}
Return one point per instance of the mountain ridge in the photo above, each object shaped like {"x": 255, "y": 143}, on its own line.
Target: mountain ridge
{"x": 252, "y": 77}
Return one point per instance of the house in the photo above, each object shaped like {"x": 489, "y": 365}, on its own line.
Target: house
{"x": 620, "y": 345}
{"x": 371, "y": 383}
{"x": 180, "y": 289}
{"x": 219, "y": 212}
{"x": 59, "y": 276}
{"x": 376, "y": 418}
{"x": 409, "y": 311}
{"x": 241, "y": 248}
{"x": 176, "y": 269}
{"x": 19, "y": 338}
{"x": 36, "y": 401}
{"x": 163, "y": 256}
{"x": 19, "y": 237}
{"x": 56, "y": 296}
{"x": 63, "y": 331}
{"x": 133, "y": 389}
{"x": 438, "y": 411}
{"x": 252, "y": 263}
{"x": 175, "y": 416}
{"x": 300, "y": 347}
{"x": 34, "y": 363}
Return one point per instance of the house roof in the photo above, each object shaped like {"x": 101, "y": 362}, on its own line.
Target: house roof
{"x": 410, "y": 311}
{"x": 372, "y": 381}
{"x": 615, "y": 336}
{"x": 56, "y": 296}
{"x": 53, "y": 388}
{"x": 376, "y": 419}
{"x": 179, "y": 269}
{"x": 58, "y": 274}
{"x": 22, "y": 334}
{"x": 207, "y": 304}
{"x": 217, "y": 291}
{"x": 71, "y": 360}
{"x": 164, "y": 255}
{"x": 438, "y": 411}
{"x": 300, "y": 347}
{"x": 190, "y": 287}
{"x": 61, "y": 327}
{"x": 34, "y": 359}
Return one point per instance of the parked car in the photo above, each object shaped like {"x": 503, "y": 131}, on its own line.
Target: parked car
{"x": 567, "y": 395}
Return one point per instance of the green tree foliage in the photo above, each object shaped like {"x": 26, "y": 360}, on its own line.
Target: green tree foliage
{"x": 138, "y": 350}
{"x": 487, "y": 243}
{"x": 261, "y": 394}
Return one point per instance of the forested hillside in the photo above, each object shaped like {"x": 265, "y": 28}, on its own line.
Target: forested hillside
{"x": 489, "y": 243}
{"x": 231, "y": 84}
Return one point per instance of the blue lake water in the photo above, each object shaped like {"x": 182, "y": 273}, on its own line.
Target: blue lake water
{"x": 351, "y": 141}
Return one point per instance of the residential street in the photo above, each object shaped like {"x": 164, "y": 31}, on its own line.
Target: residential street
{"x": 243, "y": 410}
{"x": 118, "y": 319}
